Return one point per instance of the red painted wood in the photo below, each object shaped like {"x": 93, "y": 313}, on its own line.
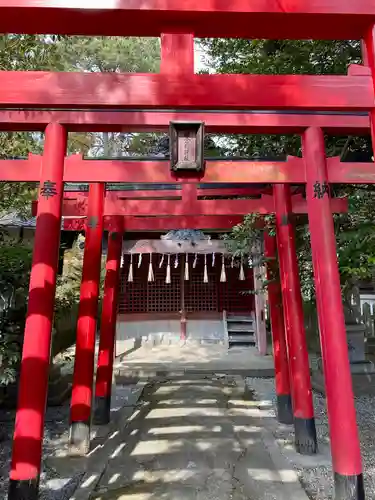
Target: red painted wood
{"x": 159, "y": 171}
{"x": 118, "y": 197}
{"x": 103, "y": 388}
{"x": 171, "y": 193}
{"x": 370, "y": 53}
{"x": 144, "y": 208}
{"x": 33, "y": 384}
{"x": 365, "y": 59}
{"x": 345, "y": 448}
{"x": 171, "y": 207}
{"x": 21, "y": 170}
{"x": 291, "y": 289}
{"x": 190, "y": 203}
{"x": 129, "y": 195}
{"x": 80, "y": 411}
{"x": 74, "y": 224}
{"x": 350, "y": 173}
{"x": 144, "y": 121}
{"x": 113, "y": 90}
{"x": 177, "y": 54}
{"x": 341, "y": 19}
{"x": 177, "y": 57}
{"x": 358, "y": 70}
{"x": 280, "y": 354}
{"x": 237, "y": 191}
{"x": 290, "y": 172}
{"x": 34, "y": 208}
{"x": 155, "y": 171}
{"x": 161, "y": 224}
{"x": 338, "y": 205}
{"x": 143, "y": 195}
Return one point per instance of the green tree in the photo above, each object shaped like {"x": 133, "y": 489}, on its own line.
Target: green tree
{"x": 24, "y": 53}
{"x": 271, "y": 57}
{"x": 52, "y": 53}
{"x": 15, "y": 264}
{"x": 104, "y": 55}
{"x": 355, "y": 231}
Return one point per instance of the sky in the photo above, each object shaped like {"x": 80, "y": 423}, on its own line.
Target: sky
{"x": 199, "y": 58}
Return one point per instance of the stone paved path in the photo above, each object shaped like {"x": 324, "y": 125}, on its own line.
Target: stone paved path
{"x": 189, "y": 355}
{"x": 197, "y": 439}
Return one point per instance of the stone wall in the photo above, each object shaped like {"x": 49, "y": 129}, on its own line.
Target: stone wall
{"x": 155, "y": 332}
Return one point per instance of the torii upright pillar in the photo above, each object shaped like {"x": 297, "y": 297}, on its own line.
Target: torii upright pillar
{"x": 33, "y": 385}
{"x": 368, "y": 56}
{"x": 280, "y": 354}
{"x": 81, "y": 403}
{"x": 103, "y": 388}
{"x": 303, "y": 410}
{"x": 345, "y": 448}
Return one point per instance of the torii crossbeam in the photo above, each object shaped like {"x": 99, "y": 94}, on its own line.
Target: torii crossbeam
{"x": 291, "y": 171}
{"x": 331, "y": 19}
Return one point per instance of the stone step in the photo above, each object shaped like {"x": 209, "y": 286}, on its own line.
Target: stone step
{"x": 241, "y": 338}
{"x": 241, "y": 331}
{"x": 241, "y": 328}
{"x": 240, "y": 345}
{"x": 239, "y": 319}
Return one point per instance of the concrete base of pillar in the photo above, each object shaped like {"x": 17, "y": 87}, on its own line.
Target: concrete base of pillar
{"x": 79, "y": 439}
{"x": 23, "y": 490}
{"x": 102, "y": 412}
{"x": 349, "y": 487}
{"x": 284, "y": 409}
{"x": 305, "y": 436}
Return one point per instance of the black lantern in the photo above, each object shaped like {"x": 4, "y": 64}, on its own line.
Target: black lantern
{"x": 187, "y": 147}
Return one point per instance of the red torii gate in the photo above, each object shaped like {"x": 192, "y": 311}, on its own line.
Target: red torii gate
{"x": 76, "y": 204}
{"x": 175, "y": 89}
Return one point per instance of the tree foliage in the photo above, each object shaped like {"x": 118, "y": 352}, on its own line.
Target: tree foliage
{"x": 21, "y": 53}
{"x": 355, "y": 232}
{"x": 15, "y": 264}
{"x": 57, "y": 53}
{"x": 272, "y": 57}
{"x": 50, "y": 53}
{"x": 245, "y": 239}
{"x": 110, "y": 55}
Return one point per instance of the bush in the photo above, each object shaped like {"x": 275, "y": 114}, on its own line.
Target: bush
{"x": 311, "y": 326}
{"x": 15, "y": 265}
{"x": 65, "y": 329}
{"x": 67, "y": 297}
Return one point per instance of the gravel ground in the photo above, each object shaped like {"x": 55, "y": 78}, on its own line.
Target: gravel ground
{"x": 318, "y": 482}
{"x": 52, "y": 486}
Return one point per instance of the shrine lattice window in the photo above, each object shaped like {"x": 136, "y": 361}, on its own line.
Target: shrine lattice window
{"x": 144, "y": 297}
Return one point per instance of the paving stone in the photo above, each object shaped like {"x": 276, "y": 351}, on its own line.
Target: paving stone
{"x": 194, "y": 438}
